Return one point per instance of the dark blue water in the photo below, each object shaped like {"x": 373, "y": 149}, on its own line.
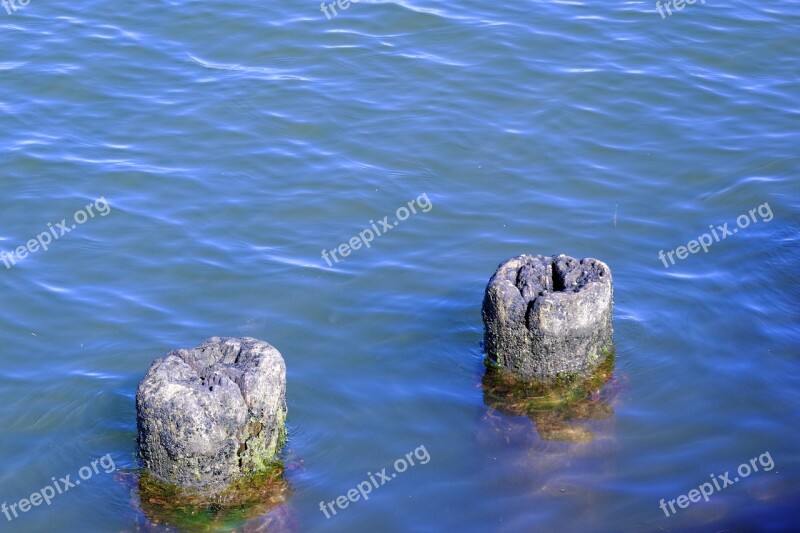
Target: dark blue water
{"x": 232, "y": 143}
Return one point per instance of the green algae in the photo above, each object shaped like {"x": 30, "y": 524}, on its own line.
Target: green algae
{"x": 554, "y": 404}
{"x": 194, "y": 510}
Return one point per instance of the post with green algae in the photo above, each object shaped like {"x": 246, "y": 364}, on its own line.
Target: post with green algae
{"x": 211, "y": 421}
{"x": 548, "y": 341}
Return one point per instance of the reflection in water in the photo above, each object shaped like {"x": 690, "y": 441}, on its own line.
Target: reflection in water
{"x": 259, "y": 502}
{"x": 550, "y": 445}
{"x": 552, "y": 406}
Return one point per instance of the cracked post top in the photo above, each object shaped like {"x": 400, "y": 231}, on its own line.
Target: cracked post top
{"x": 548, "y": 315}
{"x": 209, "y": 415}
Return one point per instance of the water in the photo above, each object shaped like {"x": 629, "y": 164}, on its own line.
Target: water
{"x": 235, "y": 141}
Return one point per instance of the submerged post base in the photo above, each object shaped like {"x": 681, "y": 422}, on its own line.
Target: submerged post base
{"x": 255, "y": 496}
{"x": 552, "y": 406}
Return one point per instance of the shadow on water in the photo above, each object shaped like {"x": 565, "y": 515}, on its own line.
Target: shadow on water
{"x": 257, "y": 503}
{"x": 553, "y": 407}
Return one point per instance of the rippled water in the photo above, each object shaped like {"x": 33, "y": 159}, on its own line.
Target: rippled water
{"x": 235, "y": 141}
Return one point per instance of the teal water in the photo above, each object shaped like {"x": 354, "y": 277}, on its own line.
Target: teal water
{"x": 235, "y": 141}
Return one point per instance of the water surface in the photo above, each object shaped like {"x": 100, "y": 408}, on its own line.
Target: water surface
{"x": 236, "y": 141}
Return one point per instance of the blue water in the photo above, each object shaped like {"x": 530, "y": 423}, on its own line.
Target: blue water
{"x": 233, "y": 142}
